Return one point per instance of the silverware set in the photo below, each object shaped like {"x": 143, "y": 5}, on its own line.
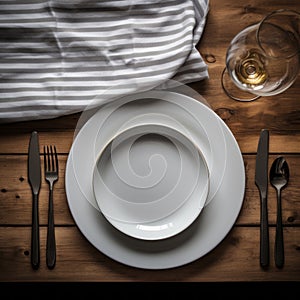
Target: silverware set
{"x": 34, "y": 177}
{"x": 279, "y": 176}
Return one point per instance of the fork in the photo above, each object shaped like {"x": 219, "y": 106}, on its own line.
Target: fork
{"x": 51, "y": 176}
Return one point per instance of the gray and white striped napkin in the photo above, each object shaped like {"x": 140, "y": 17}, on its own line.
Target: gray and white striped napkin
{"x": 59, "y": 56}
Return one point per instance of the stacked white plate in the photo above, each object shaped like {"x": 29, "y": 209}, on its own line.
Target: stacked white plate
{"x": 155, "y": 180}
{"x": 151, "y": 181}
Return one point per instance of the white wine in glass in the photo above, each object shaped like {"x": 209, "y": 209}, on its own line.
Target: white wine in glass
{"x": 264, "y": 58}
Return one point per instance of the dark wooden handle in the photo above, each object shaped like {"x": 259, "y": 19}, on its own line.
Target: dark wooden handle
{"x": 279, "y": 248}
{"x": 264, "y": 234}
{"x": 51, "y": 244}
{"x": 35, "y": 234}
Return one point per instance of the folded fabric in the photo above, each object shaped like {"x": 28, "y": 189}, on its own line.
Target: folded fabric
{"x": 57, "y": 57}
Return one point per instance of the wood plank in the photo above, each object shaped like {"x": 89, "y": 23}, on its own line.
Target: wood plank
{"x": 16, "y": 196}
{"x": 244, "y": 120}
{"x": 236, "y": 258}
{"x": 15, "y": 142}
{"x": 16, "y": 205}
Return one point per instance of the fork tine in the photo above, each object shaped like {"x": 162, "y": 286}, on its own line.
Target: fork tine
{"x": 56, "y": 160}
{"x": 45, "y": 159}
{"x": 52, "y": 159}
{"x": 48, "y": 159}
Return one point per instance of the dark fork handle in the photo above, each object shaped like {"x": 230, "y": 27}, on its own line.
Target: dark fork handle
{"x": 51, "y": 245}
{"x": 35, "y": 235}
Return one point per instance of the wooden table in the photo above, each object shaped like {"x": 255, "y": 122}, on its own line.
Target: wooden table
{"x": 236, "y": 258}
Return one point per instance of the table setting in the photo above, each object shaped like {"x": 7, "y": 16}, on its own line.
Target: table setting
{"x": 124, "y": 155}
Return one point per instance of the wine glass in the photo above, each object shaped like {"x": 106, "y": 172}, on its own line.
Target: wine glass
{"x": 264, "y": 58}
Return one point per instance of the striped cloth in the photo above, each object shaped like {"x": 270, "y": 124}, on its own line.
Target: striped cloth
{"x": 59, "y": 56}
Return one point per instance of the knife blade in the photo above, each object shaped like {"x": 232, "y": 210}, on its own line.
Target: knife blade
{"x": 34, "y": 178}
{"x": 261, "y": 181}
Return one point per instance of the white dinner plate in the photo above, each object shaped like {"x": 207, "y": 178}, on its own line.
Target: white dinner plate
{"x": 202, "y": 236}
{"x": 195, "y": 118}
{"x": 150, "y": 181}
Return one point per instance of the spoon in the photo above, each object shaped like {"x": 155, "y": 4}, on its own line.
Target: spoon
{"x": 279, "y": 176}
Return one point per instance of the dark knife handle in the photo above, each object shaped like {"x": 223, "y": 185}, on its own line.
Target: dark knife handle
{"x": 264, "y": 233}
{"x": 51, "y": 245}
{"x": 35, "y": 234}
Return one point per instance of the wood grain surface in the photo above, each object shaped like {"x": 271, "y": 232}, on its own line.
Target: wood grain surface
{"x": 236, "y": 258}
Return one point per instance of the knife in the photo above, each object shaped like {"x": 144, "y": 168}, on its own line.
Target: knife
{"x": 34, "y": 177}
{"x": 261, "y": 181}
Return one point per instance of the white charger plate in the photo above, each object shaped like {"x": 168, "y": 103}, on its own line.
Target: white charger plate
{"x": 202, "y": 236}
{"x": 142, "y": 204}
{"x": 193, "y": 117}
